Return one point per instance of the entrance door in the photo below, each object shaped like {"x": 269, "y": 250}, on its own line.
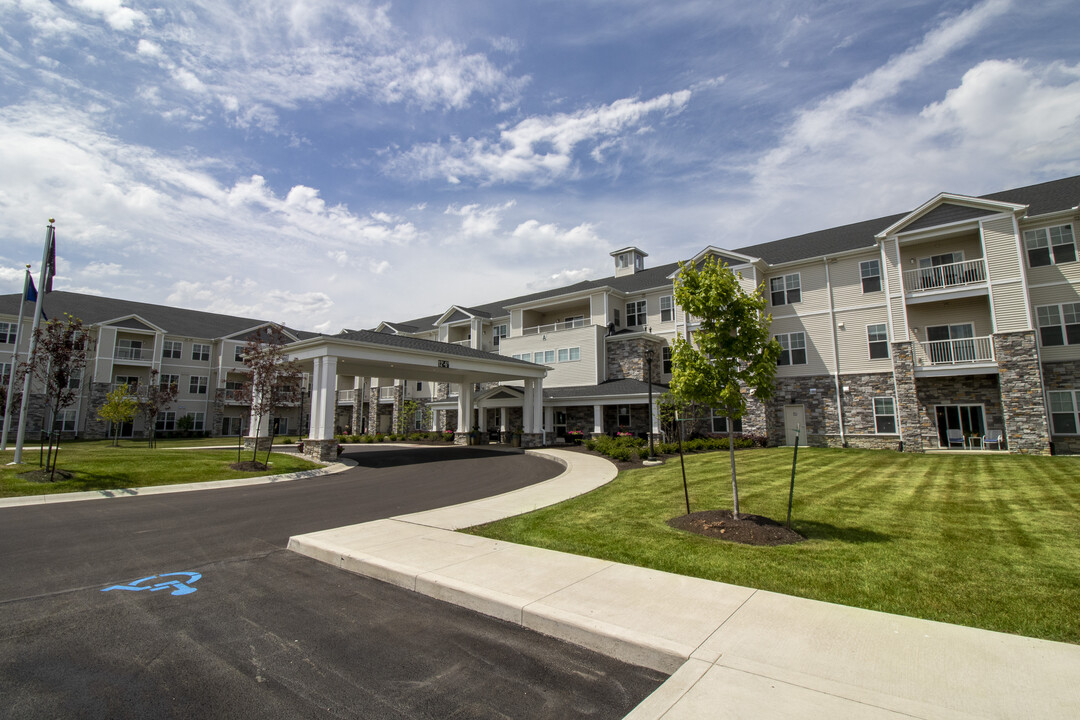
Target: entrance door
{"x": 966, "y": 418}
{"x": 560, "y": 424}
{"x": 794, "y": 423}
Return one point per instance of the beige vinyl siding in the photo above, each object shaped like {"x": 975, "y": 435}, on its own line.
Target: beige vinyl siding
{"x": 969, "y": 245}
{"x": 652, "y": 306}
{"x": 846, "y": 280}
{"x": 1003, "y": 264}
{"x": 894, "y": 287}
{"x": 1053, "y": 273}
{"x": 1056, "y": 295}
{"x": 852, "y": 340}
{"x": 813, "y": 291}
{"x": 974, "y": 310}
{"x": 103, "y": 362}
{"x": 596, "y": 309}
{"x": 589, "y": 339}
{"x": 819, "y": 347}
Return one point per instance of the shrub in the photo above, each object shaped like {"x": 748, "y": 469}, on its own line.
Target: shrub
{"x": 367, "y": 438}
{"x": 619, "y": 453}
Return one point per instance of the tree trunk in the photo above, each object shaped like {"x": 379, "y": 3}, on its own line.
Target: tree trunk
{"x": 731, "y": 454}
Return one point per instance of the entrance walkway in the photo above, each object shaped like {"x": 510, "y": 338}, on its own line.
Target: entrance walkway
{"x": 733, "y": 651}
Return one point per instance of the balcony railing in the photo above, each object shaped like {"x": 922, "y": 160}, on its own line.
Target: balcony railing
{"x": 940, "y": 277}
{"x": 387, "y": 393}
{"x": 957, "y": 352}
{"x": 463, "y": 343}
{"x": 346, "y": 396}
{"x": 131, "y": 354}
{"x": 554, "y": 327}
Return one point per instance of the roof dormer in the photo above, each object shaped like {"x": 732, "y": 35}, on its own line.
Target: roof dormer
{"x": 629, "y": 260}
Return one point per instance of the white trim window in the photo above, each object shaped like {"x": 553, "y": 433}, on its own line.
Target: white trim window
{"x": 238, "y": 353}
{"x": 792, "y": 348}
{"x": 719, "y": 423}
{"x": 544, "y": 357}
{"x": 636, "y": 313}
{"x": 75, "y": 380}
{"x": 667, "y": 308}
{"x": 1050, "y": 246}
{"x": 884, "y": 416}
{"x": 198, "y": 421}
{"x": 1052, "y": 331}
{"x": 127, "y": 349}
{"x": 197, "y": 384}
{"x": 870, "y": 274}
{"x": 498, "y": 332}
{"x": 7, "y": 332}
{"x": 167, "y": 381}
{"x": 166, "y": 421}
{"x": 786, "y": 289}
{"x": 67, "y": 421}
{"x": 5, "y": 371}
{"x": 569, "y": 354}
{"x": 173, "y": 349}
{"x": 200, "y": 351}
{"x": 1063, "y": 412}
{"x": 877, "y": 340}
{"x": 665, "y": 358}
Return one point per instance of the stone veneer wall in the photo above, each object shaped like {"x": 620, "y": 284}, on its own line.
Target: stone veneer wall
{"x": 373, "y": 410}
{"x": 626, "y": 359}
{"x": 1063, "y": 376}
{"x": 94, "y": 428}
{"x": 957, "y": 390}
{"x": 912, "y": 428}
{"x": 1026, "y": 427}
{"x": 817, "y": 394}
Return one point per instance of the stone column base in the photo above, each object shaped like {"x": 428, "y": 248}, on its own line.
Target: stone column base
{"x": 321, "y": 450}
{"x": 262, "y": 442}
{"x": 532, "y": 440}
{"x": 461, "y": 438}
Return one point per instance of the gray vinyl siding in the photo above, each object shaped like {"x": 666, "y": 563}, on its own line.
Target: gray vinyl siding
{"x": 1003, "y": 267}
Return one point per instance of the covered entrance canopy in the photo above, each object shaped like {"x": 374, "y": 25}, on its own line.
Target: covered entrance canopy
{"x": 364, "y": 353}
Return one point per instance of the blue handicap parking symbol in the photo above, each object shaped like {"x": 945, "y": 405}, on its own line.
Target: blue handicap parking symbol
{"x": 179, "y": 587}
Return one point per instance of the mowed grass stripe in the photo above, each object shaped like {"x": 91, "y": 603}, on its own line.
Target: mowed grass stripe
{"x": 983, "y": 540}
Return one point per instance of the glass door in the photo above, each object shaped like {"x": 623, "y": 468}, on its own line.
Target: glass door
{"x": 968, "y": 419}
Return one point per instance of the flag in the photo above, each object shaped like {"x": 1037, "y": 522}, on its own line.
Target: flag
{"x": 31, "y": 291}
{"x": 50, "y": 268}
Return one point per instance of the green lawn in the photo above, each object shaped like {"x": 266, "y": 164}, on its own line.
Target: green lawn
{"x": 991, "y": 541}
{"x": 100, "y": 466}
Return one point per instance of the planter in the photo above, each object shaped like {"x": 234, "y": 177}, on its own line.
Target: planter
{"x": 515, "y": 441}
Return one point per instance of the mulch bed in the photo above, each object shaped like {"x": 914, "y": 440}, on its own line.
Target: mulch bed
{"x": 44, "y": 476}
{"x": 748, "y": 529}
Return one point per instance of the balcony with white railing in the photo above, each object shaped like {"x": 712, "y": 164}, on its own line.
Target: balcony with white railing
{"x": 387, "y": 393}
{"x": 939, "y": 279}
{"x": 462, "y": 343}
{"x": 974, "y": 355}
{"x": 554, "y": 327}
{"x": 346, "y": 396}
{"x": 136, "y": 355}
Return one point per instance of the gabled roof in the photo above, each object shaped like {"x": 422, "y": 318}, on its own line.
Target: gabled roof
{"x": 94, "y": 309}
{"x": 406, "y": 342}
{"x": 133, "y": 322}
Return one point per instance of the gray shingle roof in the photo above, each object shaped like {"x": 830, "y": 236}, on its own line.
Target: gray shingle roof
{"x": 92, "y": 309}
{"x": 411, "y": 343}
{"x": 609, "y": 388}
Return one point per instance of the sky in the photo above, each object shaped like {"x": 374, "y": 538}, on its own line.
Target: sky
{"x": 331, "y": 165}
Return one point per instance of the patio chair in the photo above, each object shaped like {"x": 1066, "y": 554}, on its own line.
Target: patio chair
{"x": 956, "y": 437}
{"x": 992, "y": 437}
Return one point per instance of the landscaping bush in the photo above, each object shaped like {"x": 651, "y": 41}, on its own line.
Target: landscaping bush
{"x": 617, "y": 452}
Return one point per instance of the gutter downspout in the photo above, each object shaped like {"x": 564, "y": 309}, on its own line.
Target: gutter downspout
{"x": 836, "y": 354}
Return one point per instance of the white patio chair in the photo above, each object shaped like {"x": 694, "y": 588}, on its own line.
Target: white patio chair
{"x": 956, "y": 437}
{"x": 992, "y": 437}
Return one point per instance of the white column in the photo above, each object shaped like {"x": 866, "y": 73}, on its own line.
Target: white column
{"x": 465, "y": 406}
{"x": 257, "y": 426}
{"x": 502, "y": 420}
{"x": 323, "y": 379}
{"x": 655, "y": 417}
{"x": 549, "y": 420}
{"x": 529, "y": 400}
{"x": 598, "y": 419}
{"x": 482, "y": 412}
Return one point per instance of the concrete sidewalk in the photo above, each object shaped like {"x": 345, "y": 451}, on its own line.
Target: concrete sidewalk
{"x": 734, "y": 652}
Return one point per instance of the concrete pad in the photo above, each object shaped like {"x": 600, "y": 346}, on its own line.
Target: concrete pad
{"x": 502, "y": 583}
{"x": 671, "y": 692}
{"x": 913, "y": 666}
{"x": 667, "y": 616}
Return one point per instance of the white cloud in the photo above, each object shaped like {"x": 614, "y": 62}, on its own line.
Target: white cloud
{"x": 563, "y": 278}
{"x": 479, "y": 222}
{"x": 113, "y": 12}
{"x": 538, "y": 149}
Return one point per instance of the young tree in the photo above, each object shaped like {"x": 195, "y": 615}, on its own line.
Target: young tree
{"x": 155, "y": 400}
{"x": 58, "y": 361}
{"x": 731, "y": 348}
{"x": 275, "y": 379}
{"x": 407, "y": 417}
{"x": 119, "y": 407}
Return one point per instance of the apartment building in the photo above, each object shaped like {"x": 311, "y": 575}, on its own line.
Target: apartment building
{"x": 198, "y": 352}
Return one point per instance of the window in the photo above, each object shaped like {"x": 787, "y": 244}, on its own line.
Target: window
{"x": 167, "y": 381}
{"x": 497, "y": 334}
{"x": 197, "y": 385}
{"x": 75, "y": 380}
{"x": 238, "y": 353}
{"x": 877, "y": 337}
{"x": 419, "y": 385}
{"x": 665, "y": 354}
{"x": 544, "y": 357}
{"x": 65, "y": 421}
{"x": 200, "y": 352}
{"x": 172, "y": 349}
{"x": 1050, "y": 246}
{"x": 667, "y": 309}
{"x": 569, "y": 354}
{"x": 786, "y": 290}
{"x": 7, "y": 332}
{"x": 166, "y": 421}
{"x": 5, "y": 371}
{"x": 130, "y": 380}
{"x": 128, "y": 349}
{"x": 719, "y": 424}
{"x": 792, "y": 349}
{"x": 624, "y": 415}
{"x": 635, "y": 313}
{"x": 870, "y": 272}
{"x": 885, "y": 415}
{"x": 1051, "y": 329}
{"x": 624, "y": 260}
{"x": 198, "y": 421}
{"x": 1063, "y": 416}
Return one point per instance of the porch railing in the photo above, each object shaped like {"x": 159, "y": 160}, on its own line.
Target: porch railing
{"x": 387, "y": 393}
{"x": 940, "y": 277}
{"x": 957, "y": 352}
{"x": 554, "y": 327}
{"x": 346, "y": 395}
{"x": 131, "y": 354}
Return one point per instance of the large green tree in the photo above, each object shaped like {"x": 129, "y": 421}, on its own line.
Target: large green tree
{"x": 730, "y": 352}
{"x": 119, "y": 407}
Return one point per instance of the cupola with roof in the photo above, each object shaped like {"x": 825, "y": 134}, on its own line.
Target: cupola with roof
{"x": 629, "y": 260}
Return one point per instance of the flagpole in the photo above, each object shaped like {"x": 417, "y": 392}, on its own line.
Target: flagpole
{"x": 50, "y": 238}
{"x": 14, "y": 361}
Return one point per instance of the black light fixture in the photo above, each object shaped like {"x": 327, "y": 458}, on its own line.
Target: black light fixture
{"x": 648, "y": 362}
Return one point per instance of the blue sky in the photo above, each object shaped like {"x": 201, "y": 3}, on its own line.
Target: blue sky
{"x": 333, "y": 164}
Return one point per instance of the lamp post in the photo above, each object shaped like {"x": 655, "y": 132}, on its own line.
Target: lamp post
{"x": 648, "y": 363}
